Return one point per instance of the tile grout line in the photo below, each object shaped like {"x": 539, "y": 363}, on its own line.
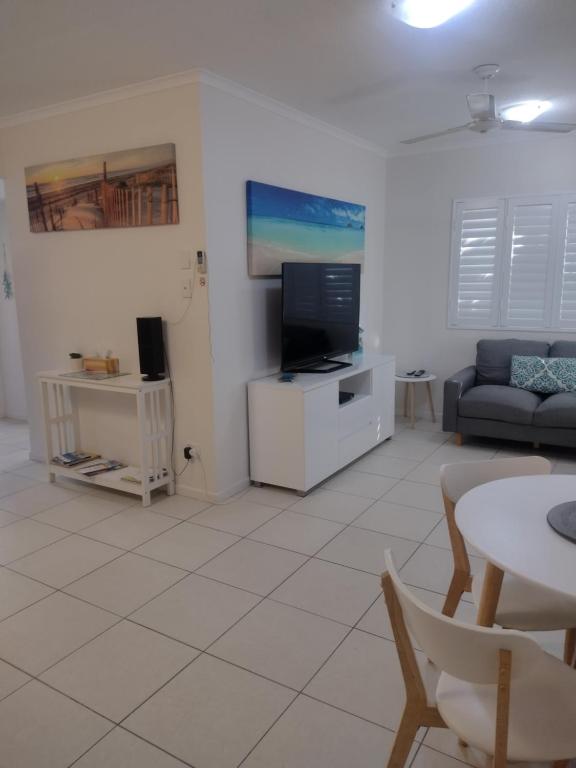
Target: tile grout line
{"x": 308, "y": 558}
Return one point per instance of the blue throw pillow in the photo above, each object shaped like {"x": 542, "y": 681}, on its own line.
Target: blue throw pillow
{"x": 546, "y": 375}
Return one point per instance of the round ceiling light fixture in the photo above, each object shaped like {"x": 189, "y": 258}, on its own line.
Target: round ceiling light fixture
{"x": 526, "y": 111}
{"x": 426, "y": 14}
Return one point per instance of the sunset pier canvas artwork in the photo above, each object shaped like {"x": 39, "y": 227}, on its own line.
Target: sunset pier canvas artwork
{"x": 131, "y": 188}
{"x": 286, "y": 225}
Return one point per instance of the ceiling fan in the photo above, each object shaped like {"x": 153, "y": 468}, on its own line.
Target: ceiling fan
{"x": 482, "y": 108}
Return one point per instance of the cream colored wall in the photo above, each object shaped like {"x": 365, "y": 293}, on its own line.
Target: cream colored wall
{"x": 246, "y": 140}
{"x": 83, "y": 290}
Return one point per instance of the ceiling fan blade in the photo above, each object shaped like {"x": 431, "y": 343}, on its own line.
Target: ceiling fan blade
{"x": 436, "y": 135}
{"x": 482, "y": 106}
{"x": 544, "y": 127}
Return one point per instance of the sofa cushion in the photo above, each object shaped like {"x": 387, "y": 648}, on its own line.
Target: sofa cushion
{"x": 499, "y": 403}
{"x": 557, "y": 411}
{"x": 547, "y": 375}
{"x": 563, "y": 349}
{"x": 494, "y": 356}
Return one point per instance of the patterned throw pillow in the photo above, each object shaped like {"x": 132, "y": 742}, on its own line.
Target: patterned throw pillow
{"x": 547, "y": 375}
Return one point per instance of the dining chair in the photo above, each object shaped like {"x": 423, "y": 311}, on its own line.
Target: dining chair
{"x": 522, "y": 605}
{"x": 497, "y": 690}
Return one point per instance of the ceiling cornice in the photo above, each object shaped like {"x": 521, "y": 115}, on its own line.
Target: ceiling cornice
{"x": 102, "y": 97}
{"x": 192, "y": 76}
{"x": 273, "y": 105}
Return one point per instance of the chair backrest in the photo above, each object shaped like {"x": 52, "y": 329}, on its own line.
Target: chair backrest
{"x": 465, "y": 651}
{"x": 457, "y": 479}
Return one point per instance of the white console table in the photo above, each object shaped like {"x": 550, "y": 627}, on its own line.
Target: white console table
{"x": 300, "y": 434}
{"x": 154, "y": 415}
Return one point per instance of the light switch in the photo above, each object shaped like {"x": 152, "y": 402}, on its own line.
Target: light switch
{"x": 185, "y": 259}
{"x": 186, "y": 288}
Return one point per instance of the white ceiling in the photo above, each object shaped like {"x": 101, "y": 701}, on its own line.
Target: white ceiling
{"x": 345, "y": 61}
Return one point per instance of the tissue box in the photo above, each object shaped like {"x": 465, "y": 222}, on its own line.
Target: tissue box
{"x": 101, "y": 364}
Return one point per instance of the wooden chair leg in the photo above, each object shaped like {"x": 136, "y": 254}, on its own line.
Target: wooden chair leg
{"x": 458, "y": 586}
{"x": 503, "y": 709}
{"x": 404, "y": 739}
{"x": 458, "y": 438}
{"x": 493, "y": 577}
{"x": 569, "y": 646}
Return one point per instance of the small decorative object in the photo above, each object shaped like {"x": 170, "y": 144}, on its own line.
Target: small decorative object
{"x": 132, "y": 188}
{"x": 285, "y": 225}
{"x": 101, "y": 364}
{"x": 562, "y": 519}
{"x": 7, "y": 286}
{"x": 75, "y": 361}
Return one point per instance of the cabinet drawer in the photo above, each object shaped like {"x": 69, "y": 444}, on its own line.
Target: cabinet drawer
{"x": 355, "y": 415}
{"x": 355, "y": 445}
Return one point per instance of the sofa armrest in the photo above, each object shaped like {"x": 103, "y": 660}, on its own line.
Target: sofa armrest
{"x": 454, "y": 388}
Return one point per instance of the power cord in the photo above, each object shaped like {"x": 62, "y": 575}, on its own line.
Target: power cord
{"x": 172, "y": 398}
{"x": 185, "y": 312}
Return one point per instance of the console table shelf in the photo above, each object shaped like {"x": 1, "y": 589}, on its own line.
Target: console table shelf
{"x": 154, "y": 416}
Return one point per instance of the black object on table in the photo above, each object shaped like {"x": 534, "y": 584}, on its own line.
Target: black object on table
{"x": 562, "y": 519}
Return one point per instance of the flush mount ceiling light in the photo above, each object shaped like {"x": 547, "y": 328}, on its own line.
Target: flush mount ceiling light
{"x": 526, "y": 111}
{"x": 426, "y": 13}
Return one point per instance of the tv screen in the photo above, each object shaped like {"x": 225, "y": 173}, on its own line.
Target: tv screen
{"x": 320, "y": 312}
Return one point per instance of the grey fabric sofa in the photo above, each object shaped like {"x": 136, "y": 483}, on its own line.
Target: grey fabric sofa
{"x": 479, "y": 401}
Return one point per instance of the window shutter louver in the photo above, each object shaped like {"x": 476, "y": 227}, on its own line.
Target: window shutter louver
{"x": 568, "y": 277}
{"x": 526, "y": 298}
{"x": 513, "y": 263}
{"x": 477, "y": 231}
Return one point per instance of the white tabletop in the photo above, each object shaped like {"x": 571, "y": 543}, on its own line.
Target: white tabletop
{"x": 308, "y": 381}
{"x": 506, "y": 521}
{"x": 415, "y": 379}
{"x": 132, "y": 382}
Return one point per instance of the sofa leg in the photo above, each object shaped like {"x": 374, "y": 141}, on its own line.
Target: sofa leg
{"x": 536, "y": 446}
{"x": 458, "y": 438}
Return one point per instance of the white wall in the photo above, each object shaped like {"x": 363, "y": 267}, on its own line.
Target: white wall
{"x": 246, "y": 140}
{"x": 419, "y": 193}
{"x": 83, "y": 290}
{"x": 13, "y": 397}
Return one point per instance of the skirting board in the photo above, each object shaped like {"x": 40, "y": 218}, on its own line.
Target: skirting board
{"x": 214, "y": 498}
{"x": 421, "y": 413}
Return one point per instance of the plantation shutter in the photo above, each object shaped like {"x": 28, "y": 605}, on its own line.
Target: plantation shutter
{"x": 527, "y": 298}
{"x": 476, "y": 255}
{"x": 568, "y": 274}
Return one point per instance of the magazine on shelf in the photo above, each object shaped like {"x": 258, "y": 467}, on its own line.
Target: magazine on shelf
{"x": 72, "y": 458}
{"x": 99, "y": 467}
{"x": 135, "y": 477}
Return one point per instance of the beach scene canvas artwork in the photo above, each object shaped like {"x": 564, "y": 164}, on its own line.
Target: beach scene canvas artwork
{"x": 131, "y": 188}
{"x": 285, "y": 225}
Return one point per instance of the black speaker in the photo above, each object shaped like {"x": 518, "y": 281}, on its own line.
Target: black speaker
{"x": 151, "y": 347}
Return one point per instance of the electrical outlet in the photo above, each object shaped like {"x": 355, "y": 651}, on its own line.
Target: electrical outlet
{"x": 191, "y": 452}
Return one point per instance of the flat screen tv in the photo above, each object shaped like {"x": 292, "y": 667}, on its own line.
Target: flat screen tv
{"x": 320, "y": 315}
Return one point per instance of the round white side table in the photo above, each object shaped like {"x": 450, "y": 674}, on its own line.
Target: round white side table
{"x": 410, "y": 395}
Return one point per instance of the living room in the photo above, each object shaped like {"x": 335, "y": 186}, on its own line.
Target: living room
{"x": 230, "y": 579}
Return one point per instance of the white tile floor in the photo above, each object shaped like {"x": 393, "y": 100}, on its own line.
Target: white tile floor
{"x": 249, "y": 634}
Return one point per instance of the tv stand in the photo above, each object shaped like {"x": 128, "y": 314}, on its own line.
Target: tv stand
{"x": 321, "y": 366}
{"x": 301, "y": 432}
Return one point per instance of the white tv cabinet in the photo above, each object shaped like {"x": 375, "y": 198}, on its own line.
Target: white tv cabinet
{"x": 300, "y": 434}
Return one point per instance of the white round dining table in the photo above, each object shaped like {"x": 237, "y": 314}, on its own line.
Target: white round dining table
{"x": 505, "y": 520}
